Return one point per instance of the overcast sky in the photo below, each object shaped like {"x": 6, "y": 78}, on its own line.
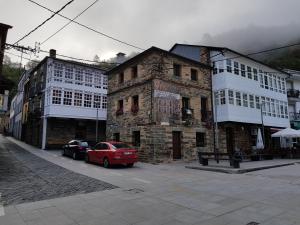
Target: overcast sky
{"x": 147, "y": 23}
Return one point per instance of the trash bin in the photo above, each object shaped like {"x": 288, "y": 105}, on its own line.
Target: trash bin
{"x": 204, "y": 161}
{"x": 236, "y": 163}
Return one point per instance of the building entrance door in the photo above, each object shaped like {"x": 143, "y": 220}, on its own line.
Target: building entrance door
{"x": 176, "y": 135}
{"x": 230, "y": 140}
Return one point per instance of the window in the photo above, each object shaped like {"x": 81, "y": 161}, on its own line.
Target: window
{"x": 77, "y": 99}
{"x": 249, "y": 72}
{"x": 266, "y": 81}
{"x": 255, "y": 75}
{"x": 97, "y": 101}
{"x": 251, "y": 101}
{"x": 279, "y": 85}
{"x": 277, "y": 108}
{"x": 104, "y": 102}
{"x": 116, "y": 136}
{"x": 203, "y": 109}
{"x": 283, "y": 85}
{"x": 194, "y": 75}
{"x": 245, "y": 100}
{"x": 88, "y": 78}
{"x": 228, "y": 66}
{"x": 275, "y": 83}
{"x": 243, "y": 70}
{"x": 185, "y": 103}
{"x": 230, "y": 97}
{"x": 68, "y": 97}
{"x": 135, "y": 104}
{"x": 217, "y": 98}
{"x": 78, "y": 76}
{"x": 105, "y": 83}
{"x": 136, "y": 138}
{"x": 97, "y": 81}
{"x": 121, "y": 78}
{"x": 215, "y": 69}
{"x": 56, "y": 96}
{"x": 261, "y": 79}
{"x": 271, "y": 82}
{"x": 286, "y": 110}
{"x": 236, "y": 68}
{"x": 221, "y": 66}
{"x": 134, "y": 72}
{"x": 177, "y": 70}
{"x": 263, "y": 105}
{"x": 268, "y": 106}
{"x": 238, "y": 98}
{"x": 87, "y": 100}
{"x": 69, "y": 74}
{"x": 120, "y": 109}
{"x": 58, "y": 72}
{"x": 222, "y": 97}
{"x": 273, "y": 110}
{"x": 281, "y": 109}
{"x": 257, "y": 102}
{"x": 200, "y": 139}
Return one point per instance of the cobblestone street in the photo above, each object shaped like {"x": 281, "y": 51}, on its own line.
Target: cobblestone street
{"x": 25, "y": 177}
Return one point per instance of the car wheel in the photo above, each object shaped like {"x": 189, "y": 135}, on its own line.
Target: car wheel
{"x": 86, "y": 158}
{"x": 74, "y": 156}
{"x": 105, "y": 163}
{"x": 130, "y": 164}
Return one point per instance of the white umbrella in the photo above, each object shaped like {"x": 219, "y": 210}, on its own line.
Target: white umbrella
{"x": 259, "y": 140}
{"x": 287, "y": 133}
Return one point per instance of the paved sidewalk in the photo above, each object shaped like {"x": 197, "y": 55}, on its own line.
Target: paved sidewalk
{"x": 167, "y": 194}
{"x": 245, "y": 167}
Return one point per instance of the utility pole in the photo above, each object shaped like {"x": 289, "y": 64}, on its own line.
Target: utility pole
{"x": 98, "y": 105}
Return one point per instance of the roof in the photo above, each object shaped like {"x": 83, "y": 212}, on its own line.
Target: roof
{"x": 149, "y": 51}
{"x": 66, "y": 61}
{"x": 230, "y": 50}
{"x": 2, "y": 25}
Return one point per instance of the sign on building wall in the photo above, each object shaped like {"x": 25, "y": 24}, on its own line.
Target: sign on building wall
{"x": 167, "y": 101}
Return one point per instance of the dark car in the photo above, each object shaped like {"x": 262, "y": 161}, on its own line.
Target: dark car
{"x": 76, "y": 149}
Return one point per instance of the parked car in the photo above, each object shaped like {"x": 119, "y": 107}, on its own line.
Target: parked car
{"x": 112, "y": 153}
{"x": 76, "y": 149}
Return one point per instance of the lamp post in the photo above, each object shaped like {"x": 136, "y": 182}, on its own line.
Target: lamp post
{"x": 216, "y": 95}
{"x": 97, "y": 103}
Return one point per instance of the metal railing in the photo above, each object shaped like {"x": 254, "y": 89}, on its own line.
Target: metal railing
{"x": 294, "y": 116}
{"x": 293, "y": 93}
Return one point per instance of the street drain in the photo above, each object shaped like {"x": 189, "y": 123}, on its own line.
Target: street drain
{"x": 252, "y": 223}
{"x": 134, "y": 190}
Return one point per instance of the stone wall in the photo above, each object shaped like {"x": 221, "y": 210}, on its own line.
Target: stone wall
{"x": 160, "y": 103}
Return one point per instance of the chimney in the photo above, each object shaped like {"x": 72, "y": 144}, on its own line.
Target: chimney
{"x": 121, "y": 57}
{"x": 52, "y": 53}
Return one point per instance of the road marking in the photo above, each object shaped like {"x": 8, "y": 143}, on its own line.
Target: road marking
{"x": 141, "y": 180}
{"x": 2, "y": 213}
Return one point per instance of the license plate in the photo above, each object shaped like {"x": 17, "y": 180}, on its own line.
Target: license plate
{"x": 127, "y": 153}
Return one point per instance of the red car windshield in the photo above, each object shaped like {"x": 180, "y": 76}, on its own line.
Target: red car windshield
{"x": 120, "y": 145}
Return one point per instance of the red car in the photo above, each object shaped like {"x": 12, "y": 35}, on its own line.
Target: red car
{"x": 112, "y": 153}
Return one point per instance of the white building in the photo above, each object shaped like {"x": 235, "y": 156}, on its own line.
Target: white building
{"x": 64, "y": 100}
{"x": 293, "y": 94}
{"x": 241, "y": 86}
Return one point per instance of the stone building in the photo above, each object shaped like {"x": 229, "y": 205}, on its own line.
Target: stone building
{"x": 160, "y": 103}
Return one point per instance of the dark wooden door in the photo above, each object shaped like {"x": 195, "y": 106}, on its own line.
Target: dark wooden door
{"x": 176, "y": 145}
{"x": 230, "y": 140}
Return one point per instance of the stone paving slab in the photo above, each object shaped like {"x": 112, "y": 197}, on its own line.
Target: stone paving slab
{"x": 25, "y": 177}
{"x": 245, "y": 167}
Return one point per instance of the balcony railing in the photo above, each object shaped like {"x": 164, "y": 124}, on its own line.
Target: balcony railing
{"x": 293, "y": 93}
{"x": 294, "y": 116}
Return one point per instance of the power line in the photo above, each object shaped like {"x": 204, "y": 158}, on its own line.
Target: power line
{"x": 40, "y": 25}
{"x": 70, "y": 22}
{"x": 89, "y": 28}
